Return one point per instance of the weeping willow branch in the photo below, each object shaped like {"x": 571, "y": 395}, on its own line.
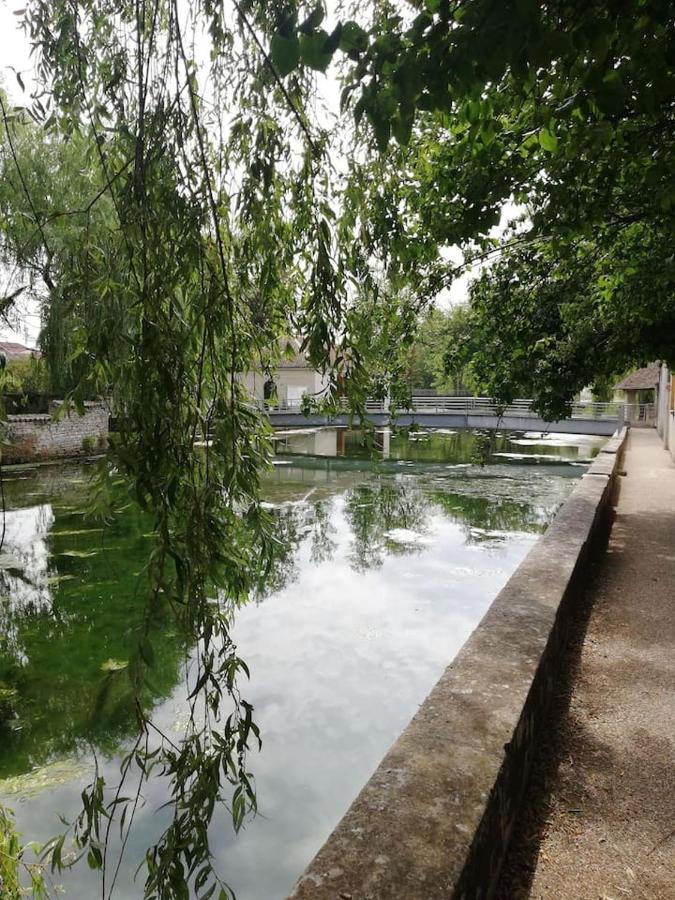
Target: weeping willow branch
{"x": 208, "y": 239}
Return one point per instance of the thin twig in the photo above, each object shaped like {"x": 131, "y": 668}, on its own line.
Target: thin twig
{"x": 273, "y": 69}
{"x": 662, "y": 841}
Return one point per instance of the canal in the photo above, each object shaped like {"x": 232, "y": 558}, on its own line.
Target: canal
{"x": 391, "y": 550}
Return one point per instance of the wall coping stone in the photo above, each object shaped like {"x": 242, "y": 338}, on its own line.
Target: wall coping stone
{"x": 603, "y": 464}
{"x": 49, "y": 417}
{"x": 435, "y": 819}
{"x": 29, "y": 417}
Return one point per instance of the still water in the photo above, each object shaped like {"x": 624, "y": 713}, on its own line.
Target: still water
{"x": 393, "y": 549}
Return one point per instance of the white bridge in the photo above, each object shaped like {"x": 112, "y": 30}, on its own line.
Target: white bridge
{"x": 469, "y": 412}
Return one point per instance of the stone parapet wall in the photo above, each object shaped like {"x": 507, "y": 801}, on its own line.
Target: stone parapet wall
{"x": 435, "y": 820}
{"x": 42, "y": 436}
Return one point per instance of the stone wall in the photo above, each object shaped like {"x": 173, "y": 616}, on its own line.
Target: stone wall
{"x": 435, "y": 820}
{"x": 42, "y": 436}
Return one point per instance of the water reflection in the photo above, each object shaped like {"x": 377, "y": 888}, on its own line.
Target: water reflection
{"x": 25, "y": 578}
{"x": 439, "y": 445}
{"x": 383, "y": 569}
{"x": 71, "y": 602}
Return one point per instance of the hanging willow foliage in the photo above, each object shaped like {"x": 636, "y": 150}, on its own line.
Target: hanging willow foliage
{"x": 198, "y": 235}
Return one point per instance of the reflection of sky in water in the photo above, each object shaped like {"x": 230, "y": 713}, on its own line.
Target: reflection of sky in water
{"x": 340, "y": 665}
{"x": 386, "y": 576}
{"x": 24, "y": 573}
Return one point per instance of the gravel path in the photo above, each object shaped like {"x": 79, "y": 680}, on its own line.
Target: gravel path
{"x": 599, "y": 823}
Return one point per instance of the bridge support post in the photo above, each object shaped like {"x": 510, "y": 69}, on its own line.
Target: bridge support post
{"x": 621, "y": 418}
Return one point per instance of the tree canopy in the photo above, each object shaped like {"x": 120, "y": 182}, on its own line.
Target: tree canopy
{"x": 566, "y": 110}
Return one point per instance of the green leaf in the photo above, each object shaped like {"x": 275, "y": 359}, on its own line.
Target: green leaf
{"x": 147, "y": 652}
{"x": 114, "y": 665}
{"x": 313, "y": 51}
{"x": 528, "y": 9}
{"x": 381, "y": 126}
{"x": 285, "y": 53}
{"x": 313, "y": 20}
{"x": 548, "y": 140}
{"x": 401, "y": 126}
{"x": 353, "y": 38}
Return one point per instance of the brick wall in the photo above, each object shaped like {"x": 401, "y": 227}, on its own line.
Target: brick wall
{"x": 38, "y": 437}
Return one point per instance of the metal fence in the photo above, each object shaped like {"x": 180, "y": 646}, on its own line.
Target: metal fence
{"x": 476, "y": 406}
{"x": 640, "y": 414}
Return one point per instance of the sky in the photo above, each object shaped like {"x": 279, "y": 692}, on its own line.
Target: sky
{"x": 15, "y": 55}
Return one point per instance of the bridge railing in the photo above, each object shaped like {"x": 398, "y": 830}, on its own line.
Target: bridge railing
{"x": 471, "y": 406}
{"x": 641, "y": 413}
{"x": 517, "y": 408}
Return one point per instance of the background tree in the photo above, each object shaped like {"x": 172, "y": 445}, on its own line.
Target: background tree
{"x": 430, "y": 364}
{"x": 54, "y": 213}
{"x": 566, "y": 109}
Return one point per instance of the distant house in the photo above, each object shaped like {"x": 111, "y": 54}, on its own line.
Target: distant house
{"x": 13, "y": 350}
{"x": 288, "y": 383}
{"x": 640, "y": 393}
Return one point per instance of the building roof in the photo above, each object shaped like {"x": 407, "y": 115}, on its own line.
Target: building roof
{"x": 642, "y": 379}
{"x": 12, "y": 348}
{"x": 298, "y": 360}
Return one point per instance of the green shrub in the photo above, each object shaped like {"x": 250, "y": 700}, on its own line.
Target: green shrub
{"x": 12, "y": 862}
{"x": 26, "y": 375}
{"x": 10, "y": 851}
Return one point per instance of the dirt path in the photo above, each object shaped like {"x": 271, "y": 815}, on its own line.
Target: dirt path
{"x": 600, "y": 821}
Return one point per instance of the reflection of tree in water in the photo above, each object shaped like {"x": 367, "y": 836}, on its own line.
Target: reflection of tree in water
{"x": 378, "y": 507}
{"x": 323, "y": 529}
{"x": 295, "y": 523}
{"x": 436, "y": 447}
{"x": 71, "y": 603}
{"x": 485, "y": 444}
{"x": 481, "y": 517}
{"x": 71, "y": 610}
{"x": 281, "y": 568}
{"x": 372, "y": 509}
{"x": 25, "y": 575}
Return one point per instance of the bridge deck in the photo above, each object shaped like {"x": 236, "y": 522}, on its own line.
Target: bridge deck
{"x": 477, "y": 419}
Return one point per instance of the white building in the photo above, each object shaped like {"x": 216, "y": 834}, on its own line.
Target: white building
{"x": 288, "y": 383}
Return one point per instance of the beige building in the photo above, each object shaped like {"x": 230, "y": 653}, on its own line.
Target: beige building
{"x": 288, "y": 383}
{"x": 640, "y": 393}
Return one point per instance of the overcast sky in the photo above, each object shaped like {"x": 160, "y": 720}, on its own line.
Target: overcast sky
{"x": 14, "y": 55}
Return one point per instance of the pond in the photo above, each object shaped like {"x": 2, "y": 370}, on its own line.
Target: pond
{"x": 392, "y": 550}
